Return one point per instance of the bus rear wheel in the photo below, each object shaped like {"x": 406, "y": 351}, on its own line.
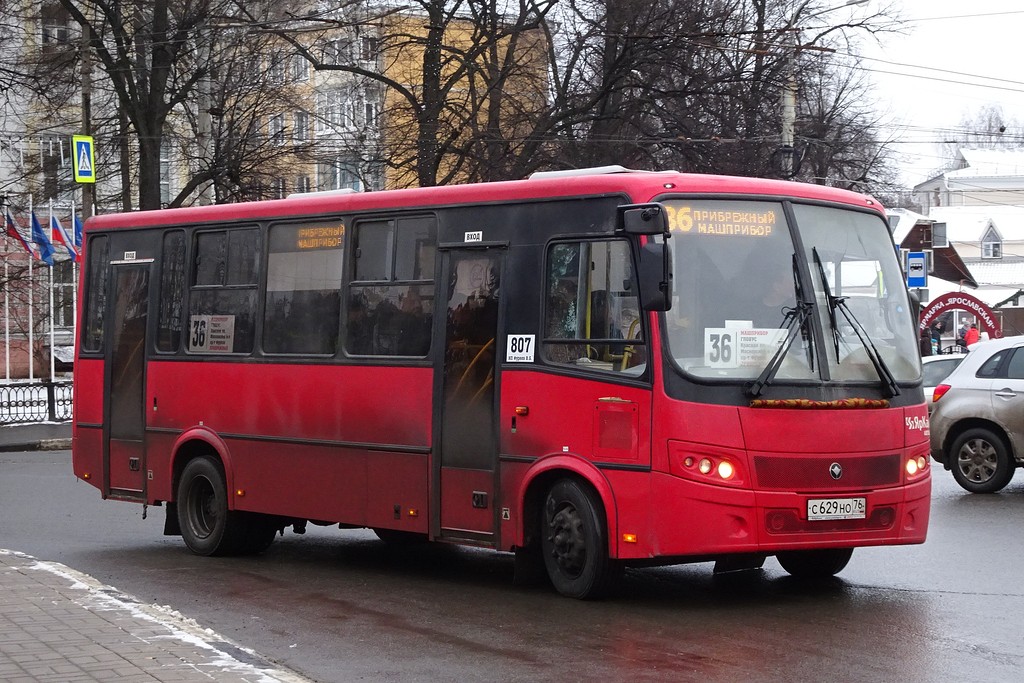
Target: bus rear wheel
{"x": 815, "y": 564}
{"x": 574, "y": 541}
{"x": 208, "y": 527}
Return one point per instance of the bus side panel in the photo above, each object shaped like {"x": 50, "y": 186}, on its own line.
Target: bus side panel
{"x": 87, "y": 454}
{"x": 342, "y": 404}
{"x": 593, "y": 418}
{"x": 87, "y": 429}
{"x": 398, "y": 486}
{"x": 303, "y": 440}
{"x": 311, "y": 482}
{"x": 88, "y": 388}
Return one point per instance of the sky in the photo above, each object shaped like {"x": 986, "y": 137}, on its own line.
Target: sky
{"x": 950, "y": 59}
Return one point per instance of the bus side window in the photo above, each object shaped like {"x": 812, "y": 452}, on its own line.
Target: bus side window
{"x": 391, "y": 299}
{"x": 96, "y": 295}
{"x": 592, "y": 315}
{"x": 172, "y": 292}
{"x": 303, "y": 298}
{"x": 222, "y": 304}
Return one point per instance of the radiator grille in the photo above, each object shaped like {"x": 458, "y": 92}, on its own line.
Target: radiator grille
{"x": 812, "y": 472}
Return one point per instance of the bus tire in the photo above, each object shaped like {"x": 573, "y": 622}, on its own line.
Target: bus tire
{"x": 815, "y": 564}
{"x": 574, "y": 541}
{"x": 207, "y": 526}
{"x": 980, "y": 461}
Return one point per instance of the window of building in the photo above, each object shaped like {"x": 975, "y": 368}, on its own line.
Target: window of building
{"x": 303, "y": 306}
{"x": 592, "y": 318}
{"x": 56, "y": 166}
{"x": 391, "y": 298}
{"x": 335, "y": 111}
{"x": 300, "y": 132}
{"x": 339, "y": 174}
{"x": 338, "y": 51}
{"x": 64, "y": 293}
{"x": 370, "y": 113}
{"x": 96, "y": 276}
{"x": 299, "y": 68}
{"x": 165, "y": 173}
{"x": 991, "y": 244}
{"x": 222, "y": 301}
{"x": 276, "y": 129}
{"x": 368, "y": 49}
{"x": 54, "y": 23}
{"x": 277, "y": 69}
{"x": 172, "y": 292}
{"x": 302, "y": 183}
{"x": 279, "y": 188}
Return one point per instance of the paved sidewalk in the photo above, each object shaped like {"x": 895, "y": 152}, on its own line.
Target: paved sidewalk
{"x": 40, "y": 436}
{"x": 59, "y": 625}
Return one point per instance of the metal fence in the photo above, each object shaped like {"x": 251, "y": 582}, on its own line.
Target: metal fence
{"x": 43, "y": 401}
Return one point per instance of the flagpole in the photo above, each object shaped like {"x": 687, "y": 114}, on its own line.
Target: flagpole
{"x": 74, "y": 279}
{"x": 31, "y": 318}
{"x": 53, "y": 364}
{"x": 7, "y": 323}
{"x": 49, "y": 226}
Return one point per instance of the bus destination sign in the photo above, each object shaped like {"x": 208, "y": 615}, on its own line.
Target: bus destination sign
{"x": 723, "y": 220}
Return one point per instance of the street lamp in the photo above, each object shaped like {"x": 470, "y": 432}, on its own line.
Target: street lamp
{"x": 787, "y": 105}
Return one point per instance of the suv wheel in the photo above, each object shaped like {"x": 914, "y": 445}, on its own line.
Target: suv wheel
{"x": 981, "y": 461}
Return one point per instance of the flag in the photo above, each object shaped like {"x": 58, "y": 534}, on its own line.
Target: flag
{"x": 78, "y": 231}
{"x": 39, "y": 237}
{"x": 59, "y": 234}
{"x": 12, "y": 231}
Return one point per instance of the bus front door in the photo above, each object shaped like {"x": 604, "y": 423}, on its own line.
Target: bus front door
{"x": 466, "y": 441}
{"x": 125, "y": 413}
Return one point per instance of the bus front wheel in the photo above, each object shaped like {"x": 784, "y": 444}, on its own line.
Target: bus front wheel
{"x": 208, "y": 527}
{"x": 815, "y": 564}
{"x": 574, "y": 541}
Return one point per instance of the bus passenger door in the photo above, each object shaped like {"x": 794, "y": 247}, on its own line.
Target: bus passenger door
{"x": 466, "y": 445}
{"x": 125, "y": 414}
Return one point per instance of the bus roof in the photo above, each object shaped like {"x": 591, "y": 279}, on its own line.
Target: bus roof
{"x": 640, "y": 186}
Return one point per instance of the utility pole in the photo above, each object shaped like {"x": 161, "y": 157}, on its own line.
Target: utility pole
{"x": 787, "y": 100}
{"x": 88, "y": 189}
{"x": 788, "y": 115}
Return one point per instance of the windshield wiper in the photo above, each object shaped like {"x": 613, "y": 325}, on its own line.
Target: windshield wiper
{"x": 839, "y": 302}
{"x": 794, "y": 321}
{"x": 796, "y": 317}
{"x": 832, "y": 300}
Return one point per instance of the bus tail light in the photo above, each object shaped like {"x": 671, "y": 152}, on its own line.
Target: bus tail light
{"x": 939, "y": 392}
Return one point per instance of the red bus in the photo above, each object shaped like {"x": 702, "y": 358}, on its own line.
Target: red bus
{"x": 590, "y": 369}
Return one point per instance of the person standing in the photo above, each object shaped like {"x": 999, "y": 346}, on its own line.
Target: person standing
{"x": 972, "y": 335}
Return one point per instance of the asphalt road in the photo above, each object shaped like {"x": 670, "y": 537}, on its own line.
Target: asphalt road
{"x": 341, "y": 606}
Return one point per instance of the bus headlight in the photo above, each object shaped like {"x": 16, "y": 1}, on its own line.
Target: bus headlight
{"x": 916, "y": 465}
{"x": 705, "y": 465}
{"x": 726, "y": 470}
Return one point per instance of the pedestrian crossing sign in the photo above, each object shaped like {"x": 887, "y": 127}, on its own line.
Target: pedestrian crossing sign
{"x": 83, "y": 161}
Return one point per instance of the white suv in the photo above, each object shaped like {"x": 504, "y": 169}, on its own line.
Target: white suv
{"x": 977, "y": 423}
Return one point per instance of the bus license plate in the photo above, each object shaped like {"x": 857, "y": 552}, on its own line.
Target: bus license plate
{"x": 836, "y": 508}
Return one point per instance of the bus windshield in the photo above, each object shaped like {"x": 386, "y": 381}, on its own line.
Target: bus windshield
{"x": 747, "y": 298}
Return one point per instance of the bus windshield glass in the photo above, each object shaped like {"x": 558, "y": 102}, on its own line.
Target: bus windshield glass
{"x": 745, "y": 298}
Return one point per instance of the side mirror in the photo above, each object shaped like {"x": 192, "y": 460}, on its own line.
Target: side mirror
{"x": 643, "y": 219}
{"x": 655, "y": 276}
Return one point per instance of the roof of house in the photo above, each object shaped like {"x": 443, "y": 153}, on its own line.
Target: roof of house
{"x": 970, "y": 223}
{"x": 989, "y": 163}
